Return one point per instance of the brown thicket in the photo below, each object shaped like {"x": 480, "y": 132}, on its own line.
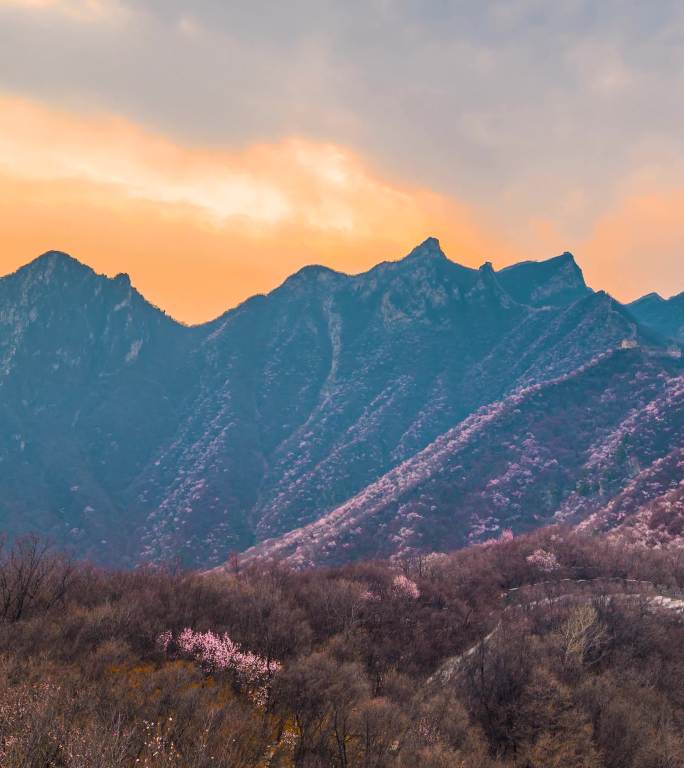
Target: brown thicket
{"x": 551, "y": 650}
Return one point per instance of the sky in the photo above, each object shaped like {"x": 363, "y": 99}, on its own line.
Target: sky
{"x": 210, "y": 149}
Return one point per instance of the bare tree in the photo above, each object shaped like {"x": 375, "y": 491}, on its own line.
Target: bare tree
{"x": 32, "y": 577}
{"x": 582, "y": 635}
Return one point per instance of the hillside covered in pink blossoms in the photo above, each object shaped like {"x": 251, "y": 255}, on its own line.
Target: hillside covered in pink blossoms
{"x": 596, "y": 448}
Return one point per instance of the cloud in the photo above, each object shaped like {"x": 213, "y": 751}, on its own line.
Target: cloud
{"x": 251, "y": 216}
{"x": 81, "y": 10}
{"x": 505, "y": 104}
{"x": 321, "y": 186}
{"x": 201, "y": 227}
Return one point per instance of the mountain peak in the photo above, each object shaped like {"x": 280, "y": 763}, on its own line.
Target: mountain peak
{"x": 52, "y": 262}
{"x": 51, "y": 258}
{"x": 649, "y": 297}
{"x": 428, "y": 249}
{"x": 664, "y": 316}
{"x": 555, "y": 281}
{"x": 310, "y": 277}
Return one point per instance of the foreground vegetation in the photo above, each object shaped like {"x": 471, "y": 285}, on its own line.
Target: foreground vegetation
{"x": 438, "y": 662}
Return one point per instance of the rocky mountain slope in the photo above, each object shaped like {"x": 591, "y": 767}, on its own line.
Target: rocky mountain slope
{"x": 556, "y": 451}
{"x": 650, "y": 508}
{"x": 127, "y": 435}
{"x": 90, "y": 378}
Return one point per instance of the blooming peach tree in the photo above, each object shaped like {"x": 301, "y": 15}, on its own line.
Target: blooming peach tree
{"x": 218, "y": 653}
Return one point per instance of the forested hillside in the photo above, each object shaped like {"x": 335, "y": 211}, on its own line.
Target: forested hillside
{"x": 550, "y": 650}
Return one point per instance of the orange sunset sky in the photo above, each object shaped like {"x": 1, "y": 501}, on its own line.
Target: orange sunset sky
{"x": 211, "y": 154}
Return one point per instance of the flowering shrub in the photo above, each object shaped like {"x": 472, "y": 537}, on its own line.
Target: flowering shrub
{"x": 403, "y": 586}
{"x": 216, "y": 653}
{"x": 543, "y": 560}
{"x": 164, "y": 640}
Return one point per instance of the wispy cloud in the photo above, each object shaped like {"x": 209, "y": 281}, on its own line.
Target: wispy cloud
{"x": 287, "y": 203}
{"x": 511, "y": 105}
{"x": 321, "y": 186}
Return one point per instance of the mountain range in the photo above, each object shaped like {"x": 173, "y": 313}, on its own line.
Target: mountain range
{"x": 420, "y": 405}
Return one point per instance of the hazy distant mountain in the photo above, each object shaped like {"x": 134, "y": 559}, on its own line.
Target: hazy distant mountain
{"x": 664, "y": 316}
{"x": 128, "y": 435}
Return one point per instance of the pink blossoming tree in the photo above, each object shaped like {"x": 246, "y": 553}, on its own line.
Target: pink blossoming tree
{"x": 543, "y": 560}
{"x": 404, "y": 587}
{"x": 218, "y": 653}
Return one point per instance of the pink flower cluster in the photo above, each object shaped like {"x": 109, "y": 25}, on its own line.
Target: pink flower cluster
{"x": 545, "y": 561}
{"x": 164, "y": 640}
{"x": 218, "y": 652}
{"x": 403, "y": 586}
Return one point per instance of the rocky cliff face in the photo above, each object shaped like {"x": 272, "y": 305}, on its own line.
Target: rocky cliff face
{"x": 127, "y": 435}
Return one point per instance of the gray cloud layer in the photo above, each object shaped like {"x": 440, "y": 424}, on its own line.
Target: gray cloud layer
{"x": 526, "y": 107}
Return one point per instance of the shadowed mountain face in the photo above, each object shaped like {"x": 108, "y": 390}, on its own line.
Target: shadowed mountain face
{"x": 555, "y": 282}
{"x": 90, "y": 380}
{"x": 128, "y": 436}
{"x": 664, "y": 316}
